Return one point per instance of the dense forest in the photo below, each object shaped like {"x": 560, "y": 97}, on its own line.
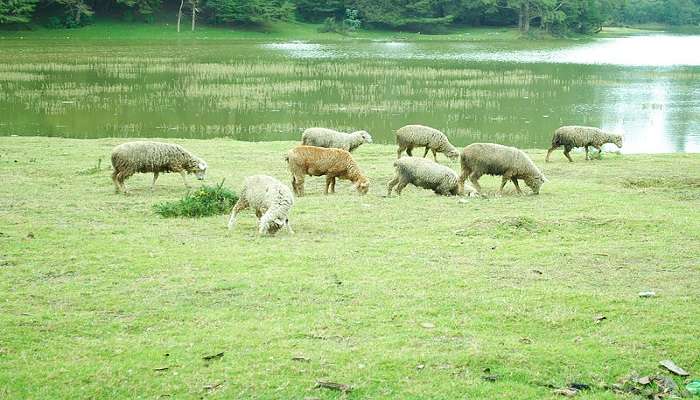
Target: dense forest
{"x": 429, "y": 16}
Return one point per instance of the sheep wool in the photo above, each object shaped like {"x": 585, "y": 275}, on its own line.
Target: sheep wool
{"x": 426, "y": 174}
{"x": 323, "y": 137}
{"x": 156, "y": 157}
{"x": 271, "y": 200}
{"x": 582, "y": 136}
{"x": 411, "y": 136}
{"x": 318, "y": 161}
{"x": 512, "y": 164}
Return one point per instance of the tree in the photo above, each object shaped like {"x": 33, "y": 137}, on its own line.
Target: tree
{"x": 142, "y": 7}
{"x": 249, "y": 11}
{"x": 16, "y": 11}
{"x": 75, "y": 11}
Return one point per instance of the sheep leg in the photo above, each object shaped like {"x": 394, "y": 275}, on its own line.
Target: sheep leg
{"x": 399, "y": 151}
{"x": 587, "y": 157}
{"x": 474, "y": 179}
{"x": 504, "y": 180}
{"x": 402, "y": 184}
{"x": 391, "y": 185}
{"x": 183, "y": 174}
{"x": 551, "y": 149}
{"x": 600, "y": 150}
{"x": 298, "y": 185}
{"x": 333, "y": 185}
{"x": 121, "y": 177}
{"x": 155, "y": 176}
{"x": 517, "y": 186}
{"x": 409, "y": 151}
{"x": 289, "y": 227}
{"x": 434, "y": 154}
{"x": 427, "y": 149}
{"x": 117, "y": 186}
{"x": 328, "y": 184}
{"x": 241, "y": 205}
{"x": 566, "y": 153}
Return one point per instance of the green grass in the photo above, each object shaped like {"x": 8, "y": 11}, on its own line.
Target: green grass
{"x": 202, "y": 202}
{"x": 107, "y": 29}
{"x": 409, "y": 297}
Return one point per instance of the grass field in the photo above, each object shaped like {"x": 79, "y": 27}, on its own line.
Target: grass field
{"x": 417, "y": 296}
{"x": 109, "y": 29}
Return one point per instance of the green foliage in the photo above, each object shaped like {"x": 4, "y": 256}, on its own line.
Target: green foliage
{"x": 203, "y": 202}
{"x": 144, "y": 8}
{"x": 16, "y": 11}
{"x": 558, "y": 17}
{"x": 350, "y": 24}
{"x": 249, "y": 11}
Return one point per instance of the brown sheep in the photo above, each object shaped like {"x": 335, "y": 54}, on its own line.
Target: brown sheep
{"x": 317, "y": 161}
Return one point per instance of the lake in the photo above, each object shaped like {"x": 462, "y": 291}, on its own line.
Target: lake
{"x": 515, "y": 93}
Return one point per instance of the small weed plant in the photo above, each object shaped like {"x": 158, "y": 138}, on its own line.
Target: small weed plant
{"x": 203, "y": 202}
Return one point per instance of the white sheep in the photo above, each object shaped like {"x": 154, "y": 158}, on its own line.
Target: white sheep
{"x": 271, "y": 200}
{"x": 411, "y": 136}
{"x": 323, "y": 137}
{"x": 512, "y": 164}
{"x": 143, "y": 156}
{"x": 427, "y": 174}
{"x": 582, "y": 136}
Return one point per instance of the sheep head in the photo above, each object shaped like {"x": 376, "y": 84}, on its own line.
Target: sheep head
{"x": 362, "y": 186}
{"x": 198, "y": 168}
{"x": 365, "y": 136}
{"x": 618, "y": 141}
{"x": 536, "y": 183}
{"x": 452, "y": 153}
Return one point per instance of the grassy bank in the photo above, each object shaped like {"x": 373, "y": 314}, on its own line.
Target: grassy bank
{"x": 275, "y": 31}
{"x": 410, "y": 297}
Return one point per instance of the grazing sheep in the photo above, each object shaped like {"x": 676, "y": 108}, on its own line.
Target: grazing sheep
{"x": 581, "y": 136}
{"x": 270, "y": 199}
{"x": 317, "y": 161}
{"x": 132, "y": 157}
{"x": 411, "y": 136}
{"x": 322, "y": 137}
{"x": 494, "y": 159}
{"x": 426, "y": 174}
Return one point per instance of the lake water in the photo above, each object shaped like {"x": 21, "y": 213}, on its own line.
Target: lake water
{"x": 647, "y": 87}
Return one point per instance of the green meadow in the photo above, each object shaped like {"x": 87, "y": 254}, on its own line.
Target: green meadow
{"x": 417, "y": 296}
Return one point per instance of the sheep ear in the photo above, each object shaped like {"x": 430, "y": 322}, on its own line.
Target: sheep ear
{"x": 544, "y": 179}
{"x": 279, "y": 221}
{"x": 202, "y": 165}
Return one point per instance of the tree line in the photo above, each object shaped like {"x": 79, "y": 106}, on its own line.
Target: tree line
{"x": 428, "y": 16}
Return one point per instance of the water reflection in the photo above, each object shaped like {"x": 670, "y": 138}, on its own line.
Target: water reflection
{"x": 648, "y": 50}
{"x": 251, "y": 91}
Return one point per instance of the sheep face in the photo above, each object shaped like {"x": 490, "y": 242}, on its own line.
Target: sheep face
{"x": 618, "y": 142}
{"x": 452, "y": 153}
{"x": 362, "y": 187}
{"x": 274, "y": 226}
{"x": 199, "y": 170}
{"x": 536, "y": 183}
{"x": 366, "y": 136}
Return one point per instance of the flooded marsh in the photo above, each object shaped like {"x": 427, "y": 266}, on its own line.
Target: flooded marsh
{"x": 271, "y": 91}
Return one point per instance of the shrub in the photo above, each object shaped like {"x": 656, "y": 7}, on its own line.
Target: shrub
{"x": 203, "y": 202}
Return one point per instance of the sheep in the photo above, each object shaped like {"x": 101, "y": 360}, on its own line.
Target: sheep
{"x": 426, "y": 174}
{"x": 322, "y": 137}
{"x": 333, "y": 163}
{"x": 132, "y": 157}
{"x": 411, "y": 136}
{"x": 581, "y": 136}
{"x": 494, "y": 159}
{"x": 271, "y": 200}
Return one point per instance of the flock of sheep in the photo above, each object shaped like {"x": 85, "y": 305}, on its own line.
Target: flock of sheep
{"x": 325, "y": 152}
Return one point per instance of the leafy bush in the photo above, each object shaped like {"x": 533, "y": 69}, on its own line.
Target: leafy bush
{"x": 351, "y": 23}
{"x": 203, "y": 202}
